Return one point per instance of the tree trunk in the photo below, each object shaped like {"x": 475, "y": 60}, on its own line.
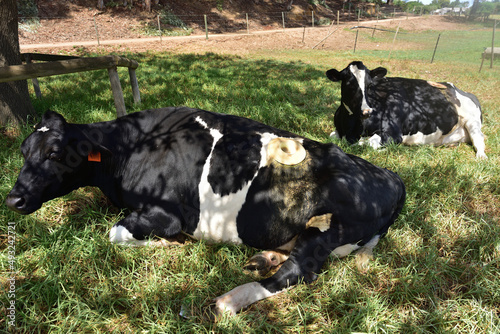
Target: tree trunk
{"x": 473, "y": 9}
{"x": 15, "y": 103}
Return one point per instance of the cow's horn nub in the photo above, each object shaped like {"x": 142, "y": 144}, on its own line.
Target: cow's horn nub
{"x": 286, "y": 151}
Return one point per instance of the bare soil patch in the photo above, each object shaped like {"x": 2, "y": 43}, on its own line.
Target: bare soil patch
{"x": 120, "y": 31}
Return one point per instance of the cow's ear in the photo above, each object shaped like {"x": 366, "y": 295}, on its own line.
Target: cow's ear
{"x": 334, "y": 75}
{"x": 379, "y": 72}
{"x": 51, "y": 119}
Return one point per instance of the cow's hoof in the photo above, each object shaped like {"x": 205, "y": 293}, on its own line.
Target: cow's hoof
{"x": 481, "y": 156}
{"x": 260, "y": 263}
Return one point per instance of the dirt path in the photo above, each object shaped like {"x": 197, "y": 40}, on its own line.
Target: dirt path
{"x": 242, "y": 43}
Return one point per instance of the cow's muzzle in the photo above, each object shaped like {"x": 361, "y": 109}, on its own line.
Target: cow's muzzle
{"x": 17, "y": 204}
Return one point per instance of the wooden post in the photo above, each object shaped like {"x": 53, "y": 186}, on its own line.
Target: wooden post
{"x": 325, "y": 38}
{"x": 312, "y": 17}
{"x": 493, "y": 44}
{"x": 36, "y": 85}
{"x": 135, "y": 86}
{"x": 159, "y": 27}
{"x": 117, "y": 92}
{"x": 338, "y": 17}
{"x": 248, "y": 29}
{"x": 283, "y": 17}
{"x": 394, "y": 40}
{"x": 303, "y": 34}
{"x": 356, "y": 41}
{"x": 206, "y": 26}
{"x": 435, "y": 48}
{"x": 96, "y": 32}
{"x": 373, "y": 32}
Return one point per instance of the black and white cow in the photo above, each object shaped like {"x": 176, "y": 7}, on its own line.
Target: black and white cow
{"x": 217, "y": 177}
{"x": 408, "y": 111}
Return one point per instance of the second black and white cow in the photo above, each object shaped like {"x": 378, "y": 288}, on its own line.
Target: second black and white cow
{"x": 216, "y": 177}
{"x": 408, "y": 111}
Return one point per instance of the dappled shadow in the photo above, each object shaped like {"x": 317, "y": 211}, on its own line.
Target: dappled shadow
{"x": 440, "y": 267}
{"x": 219, "y": 83}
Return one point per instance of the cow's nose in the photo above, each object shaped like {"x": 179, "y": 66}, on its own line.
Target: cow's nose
{"x": 15, "y": 203}
{"x": 367, "y": 112}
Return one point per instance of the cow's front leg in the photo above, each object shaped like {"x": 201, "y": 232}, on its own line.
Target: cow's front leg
{"x": 312, "y": 249}
{"x": 137, "y": 228}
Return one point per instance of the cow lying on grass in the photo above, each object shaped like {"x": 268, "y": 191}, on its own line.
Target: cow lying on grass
{"x": 401, "y": 110}
{"x": 221, "y": 178}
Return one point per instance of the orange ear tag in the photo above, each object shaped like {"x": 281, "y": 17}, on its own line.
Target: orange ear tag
{"x": 95, "y": 156}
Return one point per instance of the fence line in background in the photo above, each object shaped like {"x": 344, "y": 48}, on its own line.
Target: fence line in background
{"x": 212, "y": 22}
{"x": 207, "y": 24}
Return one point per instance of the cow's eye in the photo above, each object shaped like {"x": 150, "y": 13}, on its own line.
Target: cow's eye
{"x": 55, "y": 155}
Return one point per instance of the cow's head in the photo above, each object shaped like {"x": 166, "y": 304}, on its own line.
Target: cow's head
{"x": 55, "y": 162}
{"x": 356, "y": 80}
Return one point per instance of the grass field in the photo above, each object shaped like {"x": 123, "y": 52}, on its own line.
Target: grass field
{"x": 437, "y": 270}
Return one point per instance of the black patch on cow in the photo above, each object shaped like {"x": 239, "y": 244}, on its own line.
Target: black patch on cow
{"x": 235, "y": 160}
{"x": 282, "y": 199}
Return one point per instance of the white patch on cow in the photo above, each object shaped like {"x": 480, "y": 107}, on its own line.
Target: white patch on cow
{"x": 217, "y": 213}
{"x": 370, "y": 245}
{"x": 43, "y": 129}
{"x": 419, "y": 138}
{"x": 289, "y": 245}
{"x": 349, "y": 111}
{"x": 334, "y": 135}
{"x": 360, "y": 77}
{"x": 467, "y": 130}
{"x": 469, "y": 114}
{"x": 322, "y": 222}
{"x": 374, "y": 141}
{"x": 241, "y": 297}
{"x": 121, "y": 235}
{"x": 365, "y": 254}
{"x": 345, "y": 250}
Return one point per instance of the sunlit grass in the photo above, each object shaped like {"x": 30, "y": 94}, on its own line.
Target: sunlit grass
{"x": 437, "y": 271}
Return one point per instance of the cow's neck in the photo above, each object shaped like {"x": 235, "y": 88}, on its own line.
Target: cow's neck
{"x": 102, "y": 171}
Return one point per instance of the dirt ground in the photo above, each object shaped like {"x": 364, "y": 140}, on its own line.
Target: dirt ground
{"x": 75, "y": 32}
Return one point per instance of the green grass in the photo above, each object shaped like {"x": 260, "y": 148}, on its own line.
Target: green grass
{"x": 437, "y": 271}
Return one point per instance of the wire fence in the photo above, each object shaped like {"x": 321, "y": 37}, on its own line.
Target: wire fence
{"x": 362, "y": 22}
{"x": 166, "y": 23}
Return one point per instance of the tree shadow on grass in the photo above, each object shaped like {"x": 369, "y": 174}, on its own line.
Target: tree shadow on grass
{"x": 284, "y": 95}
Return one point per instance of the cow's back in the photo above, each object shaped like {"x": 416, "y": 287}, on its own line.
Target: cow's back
{"x": 413, "y": 104}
